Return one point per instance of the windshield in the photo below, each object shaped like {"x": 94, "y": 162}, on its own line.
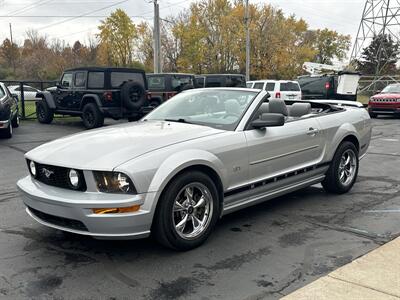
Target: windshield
{"x": 392, "y": 89}
{"x": 218, "y": 108}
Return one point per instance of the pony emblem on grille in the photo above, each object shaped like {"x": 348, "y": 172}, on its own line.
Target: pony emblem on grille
{"x": 47, "y": 172}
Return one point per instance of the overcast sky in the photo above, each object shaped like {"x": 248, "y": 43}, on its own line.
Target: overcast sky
{"x": 341, "y": 15}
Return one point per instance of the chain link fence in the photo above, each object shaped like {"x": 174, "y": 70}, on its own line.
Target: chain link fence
{"x": 26, "y": 92}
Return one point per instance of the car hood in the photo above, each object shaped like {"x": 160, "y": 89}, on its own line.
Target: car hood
{"x": 386, "y": 96}
{"x": 107, "y": 148}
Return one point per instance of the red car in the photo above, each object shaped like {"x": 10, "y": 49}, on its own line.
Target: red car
{"x": 387, "y": 102}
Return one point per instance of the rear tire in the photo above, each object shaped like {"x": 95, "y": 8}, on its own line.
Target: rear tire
{"x": 177, "y": 204}
{"x": 343, "y": 171}
{"x": 92, "y": 116}
{"x": 44, "y": 113}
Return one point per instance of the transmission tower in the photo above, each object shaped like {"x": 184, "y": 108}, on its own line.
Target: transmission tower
{"x": 379, "y": 17}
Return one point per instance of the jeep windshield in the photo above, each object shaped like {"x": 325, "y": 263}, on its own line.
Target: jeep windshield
{"x": 391, "y": 89}
{"x": 218, "y": 108}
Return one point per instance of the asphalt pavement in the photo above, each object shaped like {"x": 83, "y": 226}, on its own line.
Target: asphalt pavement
{"x": 263, "y": 252}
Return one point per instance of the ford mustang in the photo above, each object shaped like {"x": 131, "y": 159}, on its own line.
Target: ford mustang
{"x": 198, "y": 156}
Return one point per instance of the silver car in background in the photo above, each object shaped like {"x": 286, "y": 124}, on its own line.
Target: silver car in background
{"x": 200, "y": 155}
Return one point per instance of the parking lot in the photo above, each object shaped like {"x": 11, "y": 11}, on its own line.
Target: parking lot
{"x": 263, "y": 252}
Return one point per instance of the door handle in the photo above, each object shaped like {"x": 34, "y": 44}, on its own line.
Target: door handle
{"x": 312, "y": 131}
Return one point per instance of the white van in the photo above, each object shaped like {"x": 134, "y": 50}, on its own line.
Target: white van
{"x": 279, "y": 89}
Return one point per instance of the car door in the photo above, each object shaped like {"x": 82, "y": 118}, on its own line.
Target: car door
{"x": 79, "y": 87}
{"x": 274, "y": 151}
{"x": 63, "y": 95}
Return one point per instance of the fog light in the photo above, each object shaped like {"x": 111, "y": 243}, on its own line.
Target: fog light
{"x": 116, "y": 210}
{"x": 73, "y": 178}
{"x": 32, "y": 168}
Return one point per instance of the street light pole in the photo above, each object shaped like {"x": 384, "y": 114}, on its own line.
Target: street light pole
{"x": 246, "y": 18}
{"x": 157, "y": 39}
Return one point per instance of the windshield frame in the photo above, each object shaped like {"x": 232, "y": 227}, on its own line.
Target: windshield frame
{"x": 216, "y": 126}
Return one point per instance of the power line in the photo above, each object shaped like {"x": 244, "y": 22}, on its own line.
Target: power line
{"x": 82, "y": 15}
{"x": 29, "y": 7}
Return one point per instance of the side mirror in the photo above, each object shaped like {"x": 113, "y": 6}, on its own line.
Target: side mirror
{"x": 14, "y": 95}
{"x": 268, "y": 120}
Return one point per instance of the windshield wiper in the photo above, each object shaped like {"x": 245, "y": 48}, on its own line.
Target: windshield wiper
{"x": 180, "y": 120}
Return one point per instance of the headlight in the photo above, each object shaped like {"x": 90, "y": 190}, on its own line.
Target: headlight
{"x": 113, "y": 182}
{"x": 32, "y": 168}
{"x": 74, "y": 179}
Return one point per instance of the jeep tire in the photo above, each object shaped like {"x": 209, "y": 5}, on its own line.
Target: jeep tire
{"x": 133, "y": 95}
{"x": 92, "y": 117}
{"x": 44, "y": 113}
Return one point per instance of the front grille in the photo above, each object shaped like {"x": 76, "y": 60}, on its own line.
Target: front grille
{"x": 59, "y": 221}
{"x": 385, "y": 100}
{"x": 57, "y": 176}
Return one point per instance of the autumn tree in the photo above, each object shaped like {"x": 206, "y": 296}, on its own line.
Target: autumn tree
{"x": 328, "y": 45}
{"x": 117, "y": 36}
{"x": 9, "y": 52}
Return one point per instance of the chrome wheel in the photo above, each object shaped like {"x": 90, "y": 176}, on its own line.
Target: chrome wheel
{"x": 347, "y": 167}
{"x": 192, "y": 211}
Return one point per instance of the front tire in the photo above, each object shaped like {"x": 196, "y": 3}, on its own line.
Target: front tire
{"x": 7, "y": 132}
{"x": 343, "y": 171}
{"x": 44, "y": 113}
{"x": 187, "y": 211}
{"x": 92, "y": 116}
{"x": 15, "y": 121}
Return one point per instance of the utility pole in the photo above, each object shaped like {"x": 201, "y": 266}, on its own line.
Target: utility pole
{"x": 157, "y": 39}
{"x": 12, "y": 47}
{"x": 246, "y": 19}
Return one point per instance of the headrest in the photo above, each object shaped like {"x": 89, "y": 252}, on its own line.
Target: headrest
{"x": 278, "y": 106}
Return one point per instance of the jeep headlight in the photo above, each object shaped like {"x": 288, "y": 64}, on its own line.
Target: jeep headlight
{"x": 113, "y": 182}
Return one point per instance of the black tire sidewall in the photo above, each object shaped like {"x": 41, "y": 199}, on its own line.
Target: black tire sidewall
{"x": 164, "y": 227}
{"x": 126, "y": 95}
{"x": 331, "y": 182}
{"x": 98, "y": 118}
{"x": 48, "y": 114}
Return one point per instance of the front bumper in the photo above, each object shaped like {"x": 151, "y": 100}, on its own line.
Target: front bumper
{"x": 71, "y": 211}
{"x": 384, "y": 109}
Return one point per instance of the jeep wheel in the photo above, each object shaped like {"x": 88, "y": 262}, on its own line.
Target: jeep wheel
{"x": 133, "y": 95}
{"x": 44, "y": 113}
{"x": 92, "y": 116}
{"x": 187, "y": 212}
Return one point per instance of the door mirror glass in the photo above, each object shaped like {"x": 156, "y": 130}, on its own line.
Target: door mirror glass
{"x": 268, "y": 120}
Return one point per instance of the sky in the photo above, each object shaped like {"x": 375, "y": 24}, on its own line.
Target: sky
{"x": 73, "y": 20}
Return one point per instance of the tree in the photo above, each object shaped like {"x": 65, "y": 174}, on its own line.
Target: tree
{"x": 381, "y": 55}
{"x": 117, "y": 36}
{"x": 9, "y": 52}
{"x": 328, "y": 45}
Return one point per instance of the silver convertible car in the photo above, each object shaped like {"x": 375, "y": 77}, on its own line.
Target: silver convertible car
{"x": 200, "y": 155}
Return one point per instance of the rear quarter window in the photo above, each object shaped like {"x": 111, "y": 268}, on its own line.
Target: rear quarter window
{"x": 118, "y": 78}
{"x": 258, "y": 85}
{"x": 290, "y": 87}
{"x": 96, "y": 80}
{"x": 270, "y": 87}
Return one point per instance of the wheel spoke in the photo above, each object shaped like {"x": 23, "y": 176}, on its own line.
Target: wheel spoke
{"x": 348, "y": 159}
{"x": 189, "y": 193}
{"x": 342, "y": 175}
{"x": 178, "y": 206}
{"x": 196, "y": 222}
{"x": 201, "y": 202}
{"x": 181, "y": 225}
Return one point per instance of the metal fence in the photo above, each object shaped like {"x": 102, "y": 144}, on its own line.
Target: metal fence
{"x": 26, "y": 91}
{"x": 370, "y": 84}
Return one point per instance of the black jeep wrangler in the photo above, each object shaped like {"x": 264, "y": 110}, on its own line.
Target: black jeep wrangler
{"x": 94, "y": 93}
{"x": 163, "y": 86}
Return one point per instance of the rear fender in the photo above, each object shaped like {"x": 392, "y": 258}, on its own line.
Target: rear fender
{"x": 90, "y": 98}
